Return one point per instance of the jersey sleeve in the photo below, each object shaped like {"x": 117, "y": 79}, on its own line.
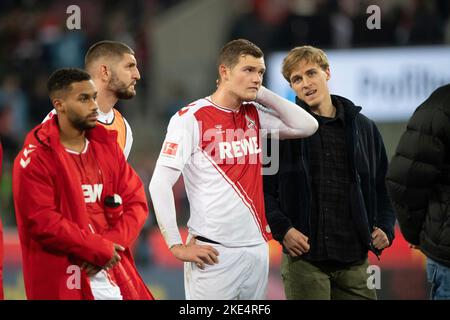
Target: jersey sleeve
{"x": 269, "y": 122}
{"x": 128, "y": 139}
{"x": 285, "y": 117}
{"x": 301, "y": 124}
{"x": 267, "y": 117}
{"x": 180, "y": 141}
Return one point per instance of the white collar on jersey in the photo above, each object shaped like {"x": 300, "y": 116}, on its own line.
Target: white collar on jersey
{"x": 106, "y": 118}
{"x": 82, "y": 152}
{"x": 220, "y": 107}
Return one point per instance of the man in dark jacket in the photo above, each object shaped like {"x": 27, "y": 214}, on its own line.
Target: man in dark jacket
{"x": 418, "y": 182}
{"x": 328, "y": 204}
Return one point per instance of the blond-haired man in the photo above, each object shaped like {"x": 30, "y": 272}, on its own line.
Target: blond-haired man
{"x": 327, "y": 205}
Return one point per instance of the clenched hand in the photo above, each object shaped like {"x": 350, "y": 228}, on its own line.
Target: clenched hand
{"x": 295, "y": 242}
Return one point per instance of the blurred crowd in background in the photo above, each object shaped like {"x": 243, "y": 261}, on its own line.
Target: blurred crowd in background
{"x": 35, "y": 41}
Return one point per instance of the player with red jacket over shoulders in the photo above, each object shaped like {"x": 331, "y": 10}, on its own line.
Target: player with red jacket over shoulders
{"x": 75, "y": 244}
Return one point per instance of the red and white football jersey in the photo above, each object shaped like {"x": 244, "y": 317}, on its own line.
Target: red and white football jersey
{"x": 219, "y": 154}
{"x": 102, "y": 284}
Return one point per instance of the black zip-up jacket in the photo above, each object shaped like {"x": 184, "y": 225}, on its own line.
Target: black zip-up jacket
{"x": 418, "y": 180}
{"x": 288, "y": 193}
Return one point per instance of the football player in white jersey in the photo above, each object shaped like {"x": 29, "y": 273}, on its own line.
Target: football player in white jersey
{"x": 113, "y": 68}
{"x": 215, "y": 143}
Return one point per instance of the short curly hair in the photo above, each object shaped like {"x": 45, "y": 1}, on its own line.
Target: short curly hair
{"x": 61, "y": 79}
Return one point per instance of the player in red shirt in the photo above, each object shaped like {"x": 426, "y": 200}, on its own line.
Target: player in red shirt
{"x": 79, "y": 204}
{"x": 1, "y": 234}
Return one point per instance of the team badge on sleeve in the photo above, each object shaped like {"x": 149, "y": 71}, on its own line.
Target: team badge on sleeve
{"x": 170, "y": 149}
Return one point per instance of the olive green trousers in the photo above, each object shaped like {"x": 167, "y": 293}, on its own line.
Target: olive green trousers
{"x": 304, "y": 280}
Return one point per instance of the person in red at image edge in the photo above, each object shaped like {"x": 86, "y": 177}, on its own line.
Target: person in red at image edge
{"x": 1, "y": 234}
{"x": 75, "y": 246}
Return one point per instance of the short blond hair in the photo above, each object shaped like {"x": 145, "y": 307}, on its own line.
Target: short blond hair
{"x": 307, "y": 53}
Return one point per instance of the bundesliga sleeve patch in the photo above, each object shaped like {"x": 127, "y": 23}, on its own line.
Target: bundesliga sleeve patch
{"x": 170, "y": 149}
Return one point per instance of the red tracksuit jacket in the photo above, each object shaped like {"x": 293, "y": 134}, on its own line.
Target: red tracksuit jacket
{"x": 1, "y": 235}
{"x": 53, "y": 222}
